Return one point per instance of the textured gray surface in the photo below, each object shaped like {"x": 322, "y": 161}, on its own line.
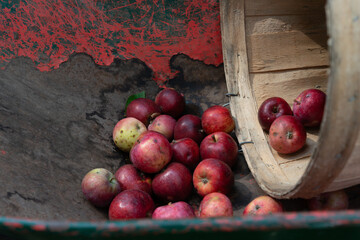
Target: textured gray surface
{"x": 56, "y": 126}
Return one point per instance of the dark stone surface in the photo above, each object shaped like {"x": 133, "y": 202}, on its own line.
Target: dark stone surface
{"x": 56, "y": 126}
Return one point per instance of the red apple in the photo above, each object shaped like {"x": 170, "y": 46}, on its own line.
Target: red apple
{"x": 131, "y": 178}
{"x": 219, "y": 145}
{"x": 216, "y": 205}
{"x": 217, "y": 119}
{"x": 173, "y": 184}
{"x": 213, "y": 175}
{"x": 100, "y": 187}
{"x": 186, "y": 151}
{"x": 337, "y": 200}
{"x": 189, "y": 126}
{"x": 271, "y": 109}
{"x": 177, "y": 210}
{"x": 263, "y": 205}
{"x": 126, "y": 131}
{"x": 143, "y": 109}
{"x": 287, "y": 134}
{"x": 131, "y": 204}
{"x": 163, "y": 124}
{"x": 151, "y": 152}
{"x": 309, "y": 107}
{"x": 171, "y": 102}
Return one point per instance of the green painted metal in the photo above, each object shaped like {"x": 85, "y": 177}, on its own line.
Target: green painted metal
{"x": 309, "y": 225}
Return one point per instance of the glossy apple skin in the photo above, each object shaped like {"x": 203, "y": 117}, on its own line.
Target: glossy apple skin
{"x": 217, "y": 119}
{"x": 173, "y": 184}
{"x": 143, "y": 109}
{"x": 219, "y": 145}
{"x": 215, "y": 205}
{"x": 99, "y": 186}
{"x": 163, "y": 124}
{"x": 186, "y": 151}
{"x": 287, "y": 134}
{"x": 213, "y": 175}
{"x": 263, "y": 205}
{"x": 126, "y": 131}
{"x": 130, "y": 177}
{"x": 177, "y": 210}
{"x": 337, "y": 200}
{"x": 309, "y": 107}
{"x": 151, "y": 152}
{"x": 131, "y": 204}
{"x": 271, "y": 109}
{"x": 189, "y": 126}
{"x": 171, "y": 102}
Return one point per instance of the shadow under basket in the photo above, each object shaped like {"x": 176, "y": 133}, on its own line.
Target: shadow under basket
{"x": 280, "y": 48}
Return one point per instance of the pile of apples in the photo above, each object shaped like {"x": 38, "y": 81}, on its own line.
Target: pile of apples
{"x": 172, "y": 154}
{"x": 286, "y": 126}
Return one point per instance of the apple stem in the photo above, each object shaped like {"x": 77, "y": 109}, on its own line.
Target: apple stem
{"x": 213, "y": 137}
{"x": 289, "y": 135}
{"x": 275, "y": 109}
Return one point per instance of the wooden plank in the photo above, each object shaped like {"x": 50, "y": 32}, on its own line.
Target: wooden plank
{"x": 285, "y": 7}
{"x": 315, "y": 23}
{"x": 286, "y": 42}
{"x": 287, "y": 84}
{"x": 286, "y": 50}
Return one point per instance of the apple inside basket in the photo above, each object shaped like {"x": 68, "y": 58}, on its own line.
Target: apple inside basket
{"x": 280, "y": 49}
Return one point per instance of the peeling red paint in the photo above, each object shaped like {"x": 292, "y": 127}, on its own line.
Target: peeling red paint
{"x": 13, "y": 224}
{"x": 39, "y": 227}
{"x": 48, "y": 32}
{"x": 291, "y": 216}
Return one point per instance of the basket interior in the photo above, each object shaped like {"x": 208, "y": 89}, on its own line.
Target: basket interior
{"x": 287, "y": 53}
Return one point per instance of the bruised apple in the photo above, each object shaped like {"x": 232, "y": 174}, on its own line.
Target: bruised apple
{"x": 287, "y": 134}
{"x": 263, "y": 205}
{"x": 131, "y": 204}
{"x": 213, "y": 175}
{"x": 151, "y": 152}
{"x": 189, "y": 126}
{"x": 143, "y": 109}
{"x": 173, "y": 184}
{"x": 271, "y": 109}
{"x": 177, "y": 210}
{"x": 215, "y": 204}
{"x": 99, "y": 186}
{"x": 219, "y": 145}
{"x": 186, "y": 151}
{"x": 309, "y": 107}
{"x": 171, "y": 102}
{"x": 163, "y": 124}
{"x": 126, "y": 131}
{"x": 131, "y": 178}
{"x": 217, "y": 119}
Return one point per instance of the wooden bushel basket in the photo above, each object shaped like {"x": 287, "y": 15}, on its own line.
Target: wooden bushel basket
{"x": 280, "y": 48}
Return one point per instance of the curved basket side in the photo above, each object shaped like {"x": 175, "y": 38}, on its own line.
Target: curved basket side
{"x": 337, "y": 138}
{"x": 243, "y": 106}
{"x": 340, "y": 127}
